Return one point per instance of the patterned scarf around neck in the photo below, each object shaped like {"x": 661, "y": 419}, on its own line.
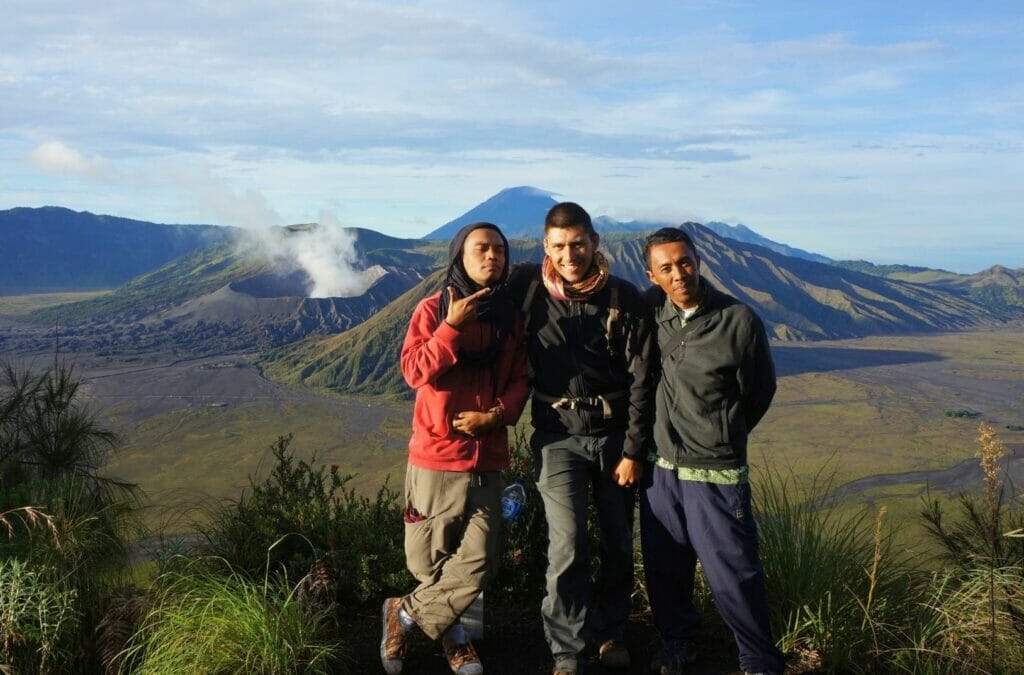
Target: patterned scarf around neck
{"x": 558, "y": 287}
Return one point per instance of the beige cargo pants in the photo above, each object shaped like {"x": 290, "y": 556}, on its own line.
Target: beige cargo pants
{"x": 452, "y": 542}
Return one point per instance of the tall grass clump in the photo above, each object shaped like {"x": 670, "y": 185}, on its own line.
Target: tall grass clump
{"x": 38, "y": 620}
{"x": 52, "y": 452}
{"x": 839, "y": 592}
{"x": 975, "y": 614}
{"x": 354, "y": 543}
{"x": 208, "y": 620}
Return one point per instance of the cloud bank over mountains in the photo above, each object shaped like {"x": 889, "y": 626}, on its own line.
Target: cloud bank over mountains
{"x": 829, "y": 128}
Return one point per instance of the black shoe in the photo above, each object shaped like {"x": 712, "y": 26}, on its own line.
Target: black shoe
{"x": 673, "y": 657}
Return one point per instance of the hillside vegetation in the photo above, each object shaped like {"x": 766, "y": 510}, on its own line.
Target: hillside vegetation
{"x": 196, "y": 273}
{"x": 287, "y": 577}
{"x": 361, "y": 361}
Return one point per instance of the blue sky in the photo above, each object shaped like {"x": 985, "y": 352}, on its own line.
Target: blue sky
{"x": 892, "y": 132}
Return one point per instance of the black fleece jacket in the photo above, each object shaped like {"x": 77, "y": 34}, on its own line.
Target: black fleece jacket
{"x": 570, "y": 356}
{"x": 715, "y": 383}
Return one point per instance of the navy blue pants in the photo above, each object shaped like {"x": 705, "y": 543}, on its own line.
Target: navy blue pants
{"x": 683, "y": 521}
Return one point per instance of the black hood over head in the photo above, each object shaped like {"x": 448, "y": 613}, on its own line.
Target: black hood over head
{"x": 495, "y": 308}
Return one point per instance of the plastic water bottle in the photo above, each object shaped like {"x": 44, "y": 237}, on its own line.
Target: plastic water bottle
{"x": 512, "y": 499}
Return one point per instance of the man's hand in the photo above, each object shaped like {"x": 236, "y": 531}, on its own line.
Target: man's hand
{"x": 473, "y": 423}
{"x": 629, "y": 472}
{"x": 462, "y": 310}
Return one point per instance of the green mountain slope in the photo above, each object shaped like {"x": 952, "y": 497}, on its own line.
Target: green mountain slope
{"x": 233, "y": 261}
{"x": 363, "y": 360}
{"x": 189, "y": 276}
{"x": 998, "y": 288}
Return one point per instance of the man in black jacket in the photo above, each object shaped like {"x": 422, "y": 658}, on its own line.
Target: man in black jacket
{"x": 589, "y": 345}
{"x": 716, "y": 381}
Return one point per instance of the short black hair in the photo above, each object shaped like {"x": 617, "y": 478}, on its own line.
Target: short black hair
{"x": 666, "y": 235}
{"x": 568, "y": 214}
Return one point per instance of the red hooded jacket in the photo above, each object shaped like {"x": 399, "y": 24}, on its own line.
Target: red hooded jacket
{"x": 444, "y": 387}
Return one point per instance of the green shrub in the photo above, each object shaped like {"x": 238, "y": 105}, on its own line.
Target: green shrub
{"x": 963, "y": 413}
{"x": 318, "y": 517}
{"x": 205, "y": 621}
{"x": 524, "y": 555}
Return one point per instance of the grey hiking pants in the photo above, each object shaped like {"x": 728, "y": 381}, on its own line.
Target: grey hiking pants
{"x": 452, "y": 542}
{"x": 568, "y": 469}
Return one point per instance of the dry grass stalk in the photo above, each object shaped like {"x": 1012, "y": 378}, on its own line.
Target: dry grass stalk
{"x": 30, "y": 517}
{"x": 991, "y": 452}
{"x": 875, "y": 561}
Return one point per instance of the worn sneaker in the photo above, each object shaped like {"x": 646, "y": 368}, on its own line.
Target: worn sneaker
{"x": 393, "y": 637}
{"x": 462, "y": 657}
{"x": 674, "y": 657}
{"x": 613, "y": 654}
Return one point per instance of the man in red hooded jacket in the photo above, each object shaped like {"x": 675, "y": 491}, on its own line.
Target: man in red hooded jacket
{"x": 464, "y": 354}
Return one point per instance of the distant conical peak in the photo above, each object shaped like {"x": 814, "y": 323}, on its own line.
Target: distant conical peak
{"x": 525, "y": 191}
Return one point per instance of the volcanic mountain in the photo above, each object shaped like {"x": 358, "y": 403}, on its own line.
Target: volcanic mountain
{"x": 233, "y": 296}
{"x": 520, "y": 211}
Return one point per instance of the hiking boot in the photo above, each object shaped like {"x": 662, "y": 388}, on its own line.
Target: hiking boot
{"x": 462, "y": 657}
{"x": 674, "y": 657}
{"x": 393, "y": 637}
{"x": 613, "y": 654}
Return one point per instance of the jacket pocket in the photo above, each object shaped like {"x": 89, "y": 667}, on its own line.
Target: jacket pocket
{"x": 437, "y": 411}
{"x": 723, "y": 423}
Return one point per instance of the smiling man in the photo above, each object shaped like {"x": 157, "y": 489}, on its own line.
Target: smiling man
{"x": 715, "y": 383}
{"x": 589, "y": 344}
{"x": 464, "y": 355}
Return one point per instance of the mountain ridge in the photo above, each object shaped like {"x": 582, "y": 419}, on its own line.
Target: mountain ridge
{"x": 52, "y": 248}
{"x": 798, "y": 299}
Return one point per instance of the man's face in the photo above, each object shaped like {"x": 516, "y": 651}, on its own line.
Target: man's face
{"x": 483, "y": 256}
{"x": 676, "y": 268}
{"x": 571, "y": 249}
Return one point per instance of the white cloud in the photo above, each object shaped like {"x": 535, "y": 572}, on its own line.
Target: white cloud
{"x": 59, "y": 158}
{"x": 399, "y": 115}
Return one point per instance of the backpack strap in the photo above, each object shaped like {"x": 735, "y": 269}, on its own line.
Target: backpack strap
{"x": 614, "y": 315}
{"x": 528, "y": 302}
{"x": 526, "y": 309}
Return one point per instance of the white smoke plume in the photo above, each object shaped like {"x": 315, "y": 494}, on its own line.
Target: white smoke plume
{"x": 326, "y": 252}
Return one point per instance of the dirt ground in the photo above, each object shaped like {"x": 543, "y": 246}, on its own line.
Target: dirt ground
{"x": 514, "y": 644}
